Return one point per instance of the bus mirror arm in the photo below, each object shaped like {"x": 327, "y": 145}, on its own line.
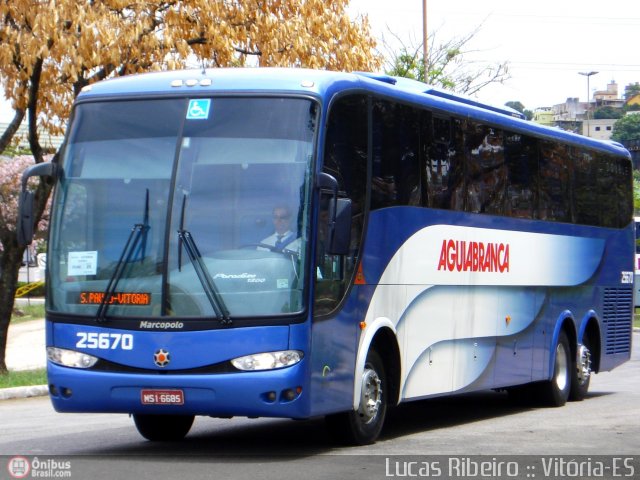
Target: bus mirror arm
{"x": 25, "y": 221}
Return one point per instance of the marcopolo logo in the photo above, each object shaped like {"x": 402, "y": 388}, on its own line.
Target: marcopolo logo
{"x": 21, "y": 467}
{"x": 161, "y": 325}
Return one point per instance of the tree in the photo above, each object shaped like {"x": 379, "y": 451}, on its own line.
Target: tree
{"x": 607, "y": 112}
{"x": 631, "y": 90}
{"x": 516, "y": 105}
{"x": 636, "y": 192}
{"x": 50, "y": 50}
{"x": 447, "y": 66}
{"x": 10, "y": 176}
{"x": 627, "y": 128}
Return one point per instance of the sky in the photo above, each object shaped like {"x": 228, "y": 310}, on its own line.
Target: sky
{"x": 546, "y": 42}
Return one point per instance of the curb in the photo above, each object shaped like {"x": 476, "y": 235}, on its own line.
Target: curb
{"x": 23, "y": 392}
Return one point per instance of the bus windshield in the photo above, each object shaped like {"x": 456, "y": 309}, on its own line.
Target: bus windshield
{"x": 183, "y": 207}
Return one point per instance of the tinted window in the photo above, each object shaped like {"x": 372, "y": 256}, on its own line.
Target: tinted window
{"x": 346, "y": 160}
{"x": 396, "y": 146}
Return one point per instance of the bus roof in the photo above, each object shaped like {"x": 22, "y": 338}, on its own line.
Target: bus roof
{"x": 324, "y": 84}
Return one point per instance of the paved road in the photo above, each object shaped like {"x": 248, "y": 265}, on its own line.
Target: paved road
{"x": 606, "y": 423}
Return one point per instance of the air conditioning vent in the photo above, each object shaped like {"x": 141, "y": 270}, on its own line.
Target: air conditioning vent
{"x": 617, "y": 310}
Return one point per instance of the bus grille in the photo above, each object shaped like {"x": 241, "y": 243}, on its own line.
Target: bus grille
{"x": 617, "y": 313}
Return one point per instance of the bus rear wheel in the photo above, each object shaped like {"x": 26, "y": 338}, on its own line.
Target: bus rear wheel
{"x": 163, "y": 428}
{"x": 363, "y": 426}
{"x": 582, "y": 372}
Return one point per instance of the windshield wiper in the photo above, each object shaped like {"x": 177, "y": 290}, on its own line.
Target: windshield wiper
{"x": 211, "y": 291}
{"x": 138, "y": 234}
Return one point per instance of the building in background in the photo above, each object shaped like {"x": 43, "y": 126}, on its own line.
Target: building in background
{"x": 579, "y": 117}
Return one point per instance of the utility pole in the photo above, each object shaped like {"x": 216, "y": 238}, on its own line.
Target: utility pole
{"x": 587, "y": 74}
{"x": 424, "y": 39}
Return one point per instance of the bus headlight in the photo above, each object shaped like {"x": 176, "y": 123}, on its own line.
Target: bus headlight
{"x": 70, "y": 358}
{"x": 267, "y": 360}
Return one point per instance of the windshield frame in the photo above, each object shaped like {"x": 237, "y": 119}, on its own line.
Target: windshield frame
{"x": 188, "y": 322}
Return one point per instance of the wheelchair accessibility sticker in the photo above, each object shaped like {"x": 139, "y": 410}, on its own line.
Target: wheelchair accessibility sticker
{"x": 199, "y": 109}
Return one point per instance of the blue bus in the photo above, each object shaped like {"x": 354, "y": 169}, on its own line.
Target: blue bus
{"x": 432, "y": 245}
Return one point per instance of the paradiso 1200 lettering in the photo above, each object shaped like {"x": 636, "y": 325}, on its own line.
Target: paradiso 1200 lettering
{"x": 463, "y": 256}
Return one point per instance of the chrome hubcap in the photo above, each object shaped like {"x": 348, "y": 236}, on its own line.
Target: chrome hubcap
{"x": 561, "y": 367}
{"x": 370, "y": 395}
{"x": 584, "y": 364}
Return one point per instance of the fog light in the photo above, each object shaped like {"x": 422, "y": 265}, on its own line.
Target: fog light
{"x": 291, "y": 394}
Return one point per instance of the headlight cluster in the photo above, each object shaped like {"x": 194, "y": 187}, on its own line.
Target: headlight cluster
{"x": 70, "y": 358}
{"x": 267, "y": 360}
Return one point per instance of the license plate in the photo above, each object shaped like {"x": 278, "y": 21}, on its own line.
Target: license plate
{"x": 162, "y": 397}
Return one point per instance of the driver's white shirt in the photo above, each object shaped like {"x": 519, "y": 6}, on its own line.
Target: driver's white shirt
{"x": 292, "y": 245}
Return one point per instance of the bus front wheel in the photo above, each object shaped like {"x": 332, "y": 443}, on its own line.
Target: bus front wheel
{"x": 163, "y": 428}
{"x": 555, "y": 392}
{"x": 363, "y": 426}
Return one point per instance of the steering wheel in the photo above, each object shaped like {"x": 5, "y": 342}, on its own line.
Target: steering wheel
{"x": 271, "y": 248}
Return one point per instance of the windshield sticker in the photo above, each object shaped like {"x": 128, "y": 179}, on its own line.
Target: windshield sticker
{"x": 82, "y": 263}
{"x": 199, "y": 109}
{"x": 283, "y": 283}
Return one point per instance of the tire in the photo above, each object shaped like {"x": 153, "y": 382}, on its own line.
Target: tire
{"x": 163, "y": 428}
{"x": 363, "y": 426}
{"x": 555, "y": 392}
{"x": 581, "y": 372}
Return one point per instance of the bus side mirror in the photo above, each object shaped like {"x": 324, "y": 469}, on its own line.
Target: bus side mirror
{"x": 339, "y": 216}
{"x": 24, "y": 227}
{"x": 340, "y": 237}
{"x": 25, "y": 222}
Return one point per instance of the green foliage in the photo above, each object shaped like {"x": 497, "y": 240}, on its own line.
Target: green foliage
{"x": 23, "y": 378}
{"x": 607, "y": 112}
{"x": 15, "y": 151}
{"x": 26, "y": 313}
{"x": 407, "y": 65}
{"x": 636, "y": 191}
{"x": 631, "y": 90}
{"x": 627, "y": 128}
{"x": 446, "y": 65}
{"x": 516, "y": 106}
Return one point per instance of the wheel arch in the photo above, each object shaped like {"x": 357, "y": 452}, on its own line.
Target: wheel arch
{"x": 590, "y": 328}
{"x": 380, "y": 336}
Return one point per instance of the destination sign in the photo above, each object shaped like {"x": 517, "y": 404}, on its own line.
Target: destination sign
{"x": 117, "y": 298}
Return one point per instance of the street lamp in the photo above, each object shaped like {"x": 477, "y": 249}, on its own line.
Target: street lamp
{"x": 588, "y": 74}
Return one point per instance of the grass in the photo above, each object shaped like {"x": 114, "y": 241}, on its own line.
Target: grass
{"x": 636, "y": 318}
{"x": 24, "y": 313}
{"x": 23, "y": 378}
